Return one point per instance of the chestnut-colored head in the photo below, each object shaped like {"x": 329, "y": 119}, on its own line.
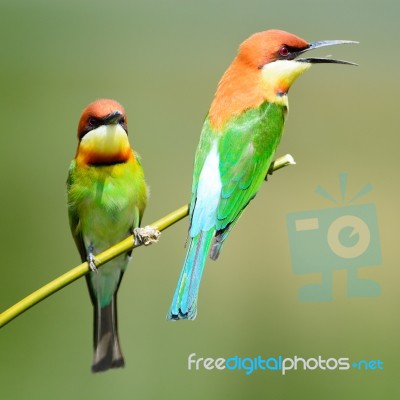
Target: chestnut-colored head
{"x": 101, "y": 112}
{"x": 103, "y": 134}
{"x": 268, "y": 46}
{"x": 265, "y": 67}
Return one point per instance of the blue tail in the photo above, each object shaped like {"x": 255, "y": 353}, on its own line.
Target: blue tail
{"x": 184, "y": 303}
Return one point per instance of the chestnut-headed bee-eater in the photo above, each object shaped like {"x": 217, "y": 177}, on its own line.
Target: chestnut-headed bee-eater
{"x": 107, "y": 195}
{"x": 238, "y": 141}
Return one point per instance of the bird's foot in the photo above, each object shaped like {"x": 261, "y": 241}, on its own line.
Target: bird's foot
{"x": 92, "y": 262}
{"x": 147, "y": 235}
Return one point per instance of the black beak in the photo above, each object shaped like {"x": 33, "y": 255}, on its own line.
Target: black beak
{"x": 324, "y": 43}
{"x": 113, "y": 118}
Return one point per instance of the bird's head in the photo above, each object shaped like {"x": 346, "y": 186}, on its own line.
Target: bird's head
{"x": 276, "y": 54}
{"x": 265, "y": 67}
{"x": 103, "y": 133}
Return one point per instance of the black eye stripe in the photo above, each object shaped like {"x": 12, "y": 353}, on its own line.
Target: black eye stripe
{"x": 288, "y": 53}
{"x": 93, "y": 121}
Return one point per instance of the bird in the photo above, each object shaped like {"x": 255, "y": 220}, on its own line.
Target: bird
{"x": 107, "y": 195}
{"x": 239, "y": 137}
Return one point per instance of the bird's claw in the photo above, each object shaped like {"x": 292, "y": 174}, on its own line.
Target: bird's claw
{"x": 92, "y": 262}
{"x": 147, "y": 235}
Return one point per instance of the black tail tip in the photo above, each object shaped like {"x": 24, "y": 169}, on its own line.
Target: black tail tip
{"x": 105, "y": 365}
{"x": 190, "y": 314}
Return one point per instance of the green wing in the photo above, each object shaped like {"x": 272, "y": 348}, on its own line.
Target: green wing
{"x": 246, "y": 147}
{"x": 246, "y": 150}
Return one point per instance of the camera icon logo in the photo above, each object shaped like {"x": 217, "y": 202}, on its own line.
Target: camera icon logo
{"x": 339, "y": 238}
{"x": 358, "y": 228}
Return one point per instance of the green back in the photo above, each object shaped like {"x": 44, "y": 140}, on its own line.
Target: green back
{"x": 246, "y": 147}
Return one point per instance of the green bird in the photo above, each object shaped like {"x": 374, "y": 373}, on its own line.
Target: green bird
{"x": 107, "y": 195}
{"x": 240, "y": 135}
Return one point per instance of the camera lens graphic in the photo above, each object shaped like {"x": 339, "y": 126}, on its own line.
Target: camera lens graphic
{"x": 350, "y": 228}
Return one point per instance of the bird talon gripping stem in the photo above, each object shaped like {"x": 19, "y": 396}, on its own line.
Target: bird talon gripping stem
{"x": 146, "y": 236}
{"x": 92, "y": 262}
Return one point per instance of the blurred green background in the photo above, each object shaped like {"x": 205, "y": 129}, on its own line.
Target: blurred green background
{"x": 162, "y": 61}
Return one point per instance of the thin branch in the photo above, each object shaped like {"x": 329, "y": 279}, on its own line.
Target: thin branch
{"x": 107, "y": 255}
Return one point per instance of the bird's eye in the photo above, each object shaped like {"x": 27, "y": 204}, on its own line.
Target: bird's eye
{"x": 283, "y": 51}
{"x": 121, "y": 120}
{"x": 91, "y": 121}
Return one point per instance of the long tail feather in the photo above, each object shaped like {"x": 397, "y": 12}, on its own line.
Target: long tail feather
{"x": 184, "y": 303}
{"x": 107, "y": 351}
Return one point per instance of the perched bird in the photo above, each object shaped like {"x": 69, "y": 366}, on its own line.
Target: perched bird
{"x": 238, "y": 141}
{"x": 107, "y": 195}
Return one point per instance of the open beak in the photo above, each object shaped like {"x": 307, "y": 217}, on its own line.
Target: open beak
{"x": 320, "y": 60}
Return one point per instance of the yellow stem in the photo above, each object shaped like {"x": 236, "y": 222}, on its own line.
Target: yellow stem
{"x": 102, "y": 258}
